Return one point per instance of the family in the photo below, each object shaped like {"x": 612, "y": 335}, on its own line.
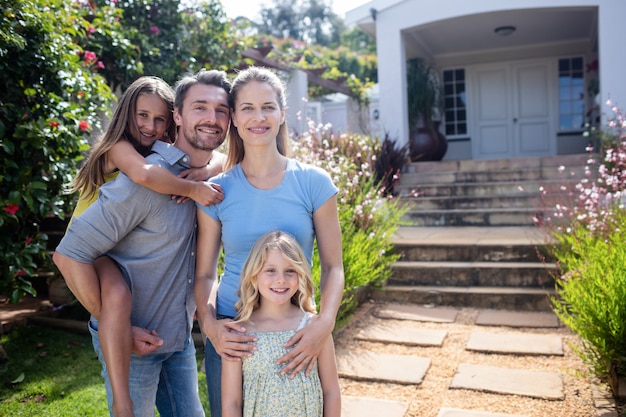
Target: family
{"x": 141, "y": 253}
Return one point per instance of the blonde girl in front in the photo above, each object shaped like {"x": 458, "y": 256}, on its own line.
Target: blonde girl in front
{"x": 276, "y": 293}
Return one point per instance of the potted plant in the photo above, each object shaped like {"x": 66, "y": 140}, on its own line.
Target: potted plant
{"x": 425, "y": 104}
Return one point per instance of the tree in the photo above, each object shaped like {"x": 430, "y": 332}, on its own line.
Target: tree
{"x": 168, "y": 39}
{"x": 358, "y": 41}
{"x": 311, "y": 21}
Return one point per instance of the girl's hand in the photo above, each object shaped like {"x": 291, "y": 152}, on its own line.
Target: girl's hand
{"x": 308, "y": 343}
{"x": 204, "y": 193}
{"x": 231, "y": 342}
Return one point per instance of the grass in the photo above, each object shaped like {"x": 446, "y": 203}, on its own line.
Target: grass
{"x": 55, "y": 373}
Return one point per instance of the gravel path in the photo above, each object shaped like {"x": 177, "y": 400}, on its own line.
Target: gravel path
{"x": 427, "y": 399}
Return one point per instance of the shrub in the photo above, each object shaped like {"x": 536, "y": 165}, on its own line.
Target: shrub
{"x": 390, "y": 162}
{"x": 368, "y": 218}
{"x": 51, "y": 98}
{"x": 591, "y": 294}
{"x": 591, "y": 257}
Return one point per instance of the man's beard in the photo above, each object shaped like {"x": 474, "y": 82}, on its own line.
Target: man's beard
{"x": 202, "y": 145}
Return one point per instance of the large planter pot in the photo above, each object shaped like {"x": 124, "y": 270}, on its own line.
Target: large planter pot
{"x": 58, "y": 292}
{"x": 442, "y": 143}
{"x": 423, "y": 142}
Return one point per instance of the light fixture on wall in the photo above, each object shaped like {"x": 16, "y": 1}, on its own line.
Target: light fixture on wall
{"x": 504, "y": 30}
{"x": 373, "y": 13}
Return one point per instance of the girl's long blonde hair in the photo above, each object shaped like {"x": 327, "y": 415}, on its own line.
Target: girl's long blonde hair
{"x": 123, "y": 126}
{"x": 249, "y": 296}
{"x": 236, "y": 150}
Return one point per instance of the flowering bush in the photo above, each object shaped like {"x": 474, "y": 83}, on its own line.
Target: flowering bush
{"x": 159, "y": 37}
{"x": 598, "y": 197}
{"x": 51, "y": 98}
{"x": 591, "y": 256}
{"x": 368, "y": 218}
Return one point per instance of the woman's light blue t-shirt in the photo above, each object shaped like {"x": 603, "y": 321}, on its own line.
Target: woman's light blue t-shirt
{"x": 247, "y": 213}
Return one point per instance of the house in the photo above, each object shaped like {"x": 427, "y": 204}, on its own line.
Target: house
{"x": 522, "y": 78}
{"x": 345, "y": 114}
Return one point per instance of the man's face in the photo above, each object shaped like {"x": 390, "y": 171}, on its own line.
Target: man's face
{"x": 205, "y": 117}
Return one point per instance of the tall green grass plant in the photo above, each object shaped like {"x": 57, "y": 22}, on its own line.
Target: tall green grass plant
{"x": 590, "y": 232}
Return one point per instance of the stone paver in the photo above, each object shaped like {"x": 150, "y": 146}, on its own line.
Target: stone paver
{"x": 517, "y": 318}
{"x": 389, "y": 333}
{"x": 455, "y": 412}
{"x": 417, "y": 313}
{"x": 371, "y": 407}
{"x": 518, "y": 343}
{"x": 371, "y": 366}
{"x": 545, "y": 385}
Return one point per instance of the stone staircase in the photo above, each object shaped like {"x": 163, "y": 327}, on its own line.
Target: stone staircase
{"x": 469, "y": 237}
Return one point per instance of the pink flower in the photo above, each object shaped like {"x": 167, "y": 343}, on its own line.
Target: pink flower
{"x": 89, "y": 56}
{"x": 83, "y": 125}
{"x": 11, "y": 208}
{"x": 28, "y": 240}
{"x": 20, "y": 272}
{"x": 155, "y": 30}
{"x": 54, "y": 125}
{"x": 91, "y": 30}
{"x": 100, "y": 65}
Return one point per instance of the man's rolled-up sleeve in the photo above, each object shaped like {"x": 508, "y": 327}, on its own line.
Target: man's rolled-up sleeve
{"x": 116, "y": 212}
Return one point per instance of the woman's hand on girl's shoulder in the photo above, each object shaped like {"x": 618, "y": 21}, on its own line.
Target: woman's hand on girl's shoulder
{"x": 307, "y": 344}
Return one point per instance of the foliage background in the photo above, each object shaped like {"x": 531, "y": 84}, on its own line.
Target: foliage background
{"x": 64, "y": 62}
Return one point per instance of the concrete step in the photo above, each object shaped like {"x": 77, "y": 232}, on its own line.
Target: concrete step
{"x": 460, "y": 252}
{"x": 487, "y": 201}
{"x": 506, "y": 175}
{"x": 472, "y": 165}
{"x": 479, "y": 274}
{"x": 472, "y": 202}
{"x": 531, "y": 188}
{"x": 483, "y": 267}
{"x": 476, "y": 217}
{"x": 508, "y": 298}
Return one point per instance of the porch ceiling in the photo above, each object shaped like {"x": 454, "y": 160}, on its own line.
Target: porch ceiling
{"x": 475, "y": 33}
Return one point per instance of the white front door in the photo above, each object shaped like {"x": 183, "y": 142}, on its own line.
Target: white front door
{"x": 511, "y": 110}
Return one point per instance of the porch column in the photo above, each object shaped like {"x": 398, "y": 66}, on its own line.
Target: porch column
{"x": 392, "y": 81}
{"x": 611, "y": 35}
{"x": 297, "y": 96}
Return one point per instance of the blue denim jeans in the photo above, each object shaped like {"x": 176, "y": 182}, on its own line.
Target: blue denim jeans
{"x": 167, "y": 380}
{"x": 213, "y": 367}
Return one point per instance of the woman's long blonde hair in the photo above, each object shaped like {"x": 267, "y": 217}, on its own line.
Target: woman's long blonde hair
{"x": 249, "y": 296}
{"x": 236, "y": 150}
{"x": 123, "y": 126}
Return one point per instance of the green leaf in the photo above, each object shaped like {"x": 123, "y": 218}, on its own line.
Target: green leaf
{"x": 19, "y": 379}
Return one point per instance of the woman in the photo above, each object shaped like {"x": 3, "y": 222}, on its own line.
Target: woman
{"x": 265, "y": 190}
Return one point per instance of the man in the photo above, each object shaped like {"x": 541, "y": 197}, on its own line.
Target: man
{"x": 152, "y": 239}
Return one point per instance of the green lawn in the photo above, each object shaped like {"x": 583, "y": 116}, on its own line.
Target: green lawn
{"x": 55, "y": 373}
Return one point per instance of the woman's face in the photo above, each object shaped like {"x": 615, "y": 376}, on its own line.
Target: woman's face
{"x": 257, "y": 114}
